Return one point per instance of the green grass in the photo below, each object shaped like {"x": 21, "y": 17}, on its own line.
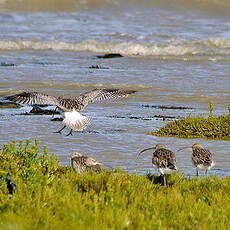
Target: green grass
{"x": 53, "y": 197}
{"x": 212, "y": 127}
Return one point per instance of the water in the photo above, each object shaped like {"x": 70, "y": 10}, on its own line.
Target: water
{"x": 175, "y": 53}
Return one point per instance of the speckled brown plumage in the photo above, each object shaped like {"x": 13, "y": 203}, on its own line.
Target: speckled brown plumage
{"x": 201, "y": 158}
{"x": 81, "y": 163}
{"x": 163, "y": 160}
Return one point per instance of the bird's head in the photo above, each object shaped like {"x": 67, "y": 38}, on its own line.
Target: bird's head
{"x": 193, "y": 147}
{"x": 160, "y": 146}
{"x": 157, "y": 146}
{"x": 76, "y": 154}
{"x": 61, "y": 96}
{"x": 197, "y": 146}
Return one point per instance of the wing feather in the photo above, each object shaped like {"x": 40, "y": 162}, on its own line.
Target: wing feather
{"x": 103, "y": 94}
{"x": 33, "y": 98}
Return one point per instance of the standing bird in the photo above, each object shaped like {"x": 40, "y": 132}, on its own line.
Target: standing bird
{"x": 11, "y": 186}
{"x": 163, "y": 160}
{"x": 82, "y": 163}
{"x": 70, "y": 108}
{"x": 201, "y": 158}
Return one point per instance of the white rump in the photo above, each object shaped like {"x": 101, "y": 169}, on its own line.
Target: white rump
{"x": 74, "y": 120}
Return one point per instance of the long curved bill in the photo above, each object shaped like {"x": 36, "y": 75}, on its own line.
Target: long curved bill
{"x": 154, "y": 148}
{"x": 186, "y": 147}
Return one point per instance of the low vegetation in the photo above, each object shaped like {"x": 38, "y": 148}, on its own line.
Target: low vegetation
{"x": 9, "y": 105}
{"x": 49, "y": 196}
{"x": 198, "y": 127}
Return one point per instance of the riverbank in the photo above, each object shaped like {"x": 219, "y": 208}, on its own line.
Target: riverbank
{"x": 50, "y": 196}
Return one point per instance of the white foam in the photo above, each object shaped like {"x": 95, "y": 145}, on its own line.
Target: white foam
{"x": 202, "y": 47}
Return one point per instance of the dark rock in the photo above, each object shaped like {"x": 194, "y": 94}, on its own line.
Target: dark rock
{"x": 41, "y": 106}
{"x": 94, "y": 67}
{"x": 45, "y": 63}
{"x": 6, "y": 64}
{"x": 9, "y": 105}
{"x": 166, "y": 107}
{"x": 57, "y": 119}
{"x": 97, "y": 67}
{"x": 164, "y": 117}
{"x": 110, "y": 55}
{"x": 38, "y": 111}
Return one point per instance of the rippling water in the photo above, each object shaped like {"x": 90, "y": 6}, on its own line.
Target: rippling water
{"x": 175, "y": 53}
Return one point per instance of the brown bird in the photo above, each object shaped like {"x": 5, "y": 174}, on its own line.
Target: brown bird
{"x": 201, "y": 158}
{"x": 163, "y": 160}
{"x": 70, "y": 108}
{"x": 81, "y": 163}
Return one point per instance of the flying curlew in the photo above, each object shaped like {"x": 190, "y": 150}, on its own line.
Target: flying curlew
{"x": 70, "y": 108}
{"x": 163, "y": 160}
{"x": 201, "y": 158}
{"x": 81, "y": 163}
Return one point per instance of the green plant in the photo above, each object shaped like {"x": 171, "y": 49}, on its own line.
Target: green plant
{"x": 197, "y": 127}
{"x": 50, "y": 196}
{"x": 210, "y": 109}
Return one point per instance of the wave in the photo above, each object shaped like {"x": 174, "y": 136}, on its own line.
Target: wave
{"x": 73, "y": 5}
{"x": 209, "y": 47}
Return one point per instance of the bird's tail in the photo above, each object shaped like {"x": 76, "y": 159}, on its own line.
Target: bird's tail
{"x": 74, "y": 120}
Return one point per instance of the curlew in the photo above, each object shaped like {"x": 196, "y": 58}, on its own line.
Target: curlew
{"x": 70, "y": 108}
{"x": 201, "y": 158}
{"x": 81, "y": 163}
{"x": 163, "y": 160}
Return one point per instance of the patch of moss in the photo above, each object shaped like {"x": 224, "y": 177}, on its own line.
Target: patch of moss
{"x": 198, "y": 127}
{"x": 9, "y": 105}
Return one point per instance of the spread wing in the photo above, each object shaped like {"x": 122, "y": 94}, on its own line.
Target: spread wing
{"x": 102, "y": 94}
{"x": 33, "y": 98}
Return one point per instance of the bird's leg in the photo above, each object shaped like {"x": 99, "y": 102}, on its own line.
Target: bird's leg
{"x": 206, "y": 173}
{"x": 59, "y": 131}
{"x": 197, "y": 173}
{"x": 54, "y": 111}
{"x": 70, "y": 133}
{"x": 164, "y": 180}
